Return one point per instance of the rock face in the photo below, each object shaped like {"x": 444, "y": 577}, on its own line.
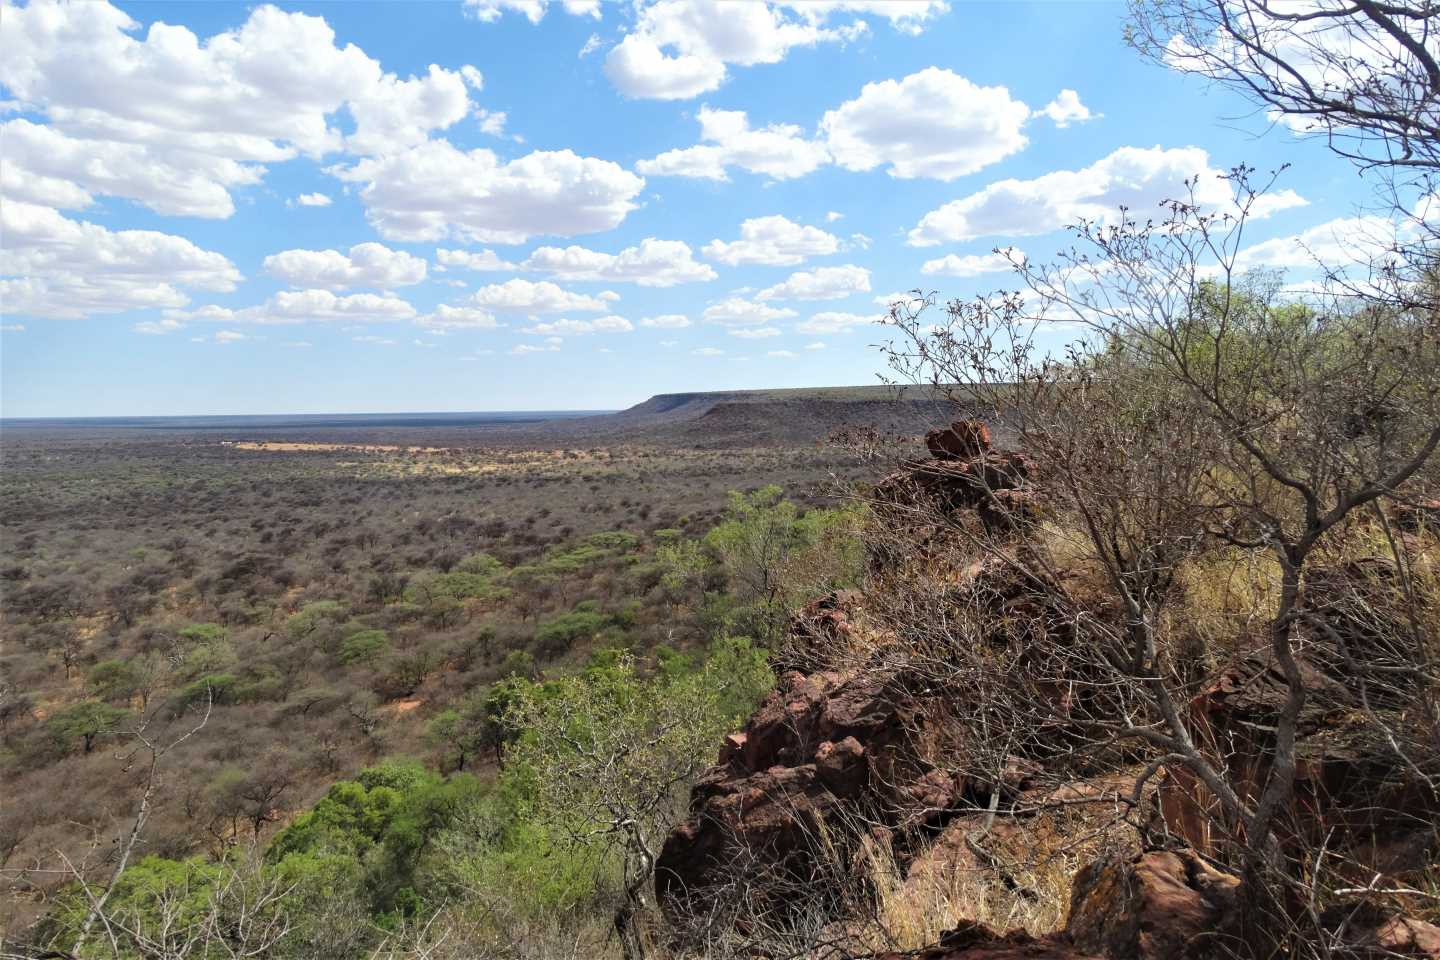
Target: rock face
{"x": 1162, "y": 905}
{"x": 826, "y": 754}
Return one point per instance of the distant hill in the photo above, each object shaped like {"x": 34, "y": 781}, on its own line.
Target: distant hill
{"x": 718, "y": 420}
{"x": 738, "y": 418}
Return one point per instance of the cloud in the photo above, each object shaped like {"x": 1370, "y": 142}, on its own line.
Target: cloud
{"x": 708, "y": 352}
{"x": 1332, "y": 245}
{"x": 45, "y": 166}
{"x": 58, "y": 268}
{"x": 774, "y": 241}
{"x": 366, "y": 265}
{"x": 485, "y": 260}
{"x": 568, "y": 328}
{"x": 520, "y": 349}
{"x": 1066, "y": 109}
{"x": 1133, "y": 177}
{"x": 488, "y": 11}
{"x": 492, "y": 122}
{"x": 448, "y": 317}
{"x": 668, "y": 321}
{"x": 313, "y": 200}
{"x": 679, "y": 49}
{"x": 972, "y": 265}
{"x": 654, "y": 263}
{"x": 378, "y": 341}
{"x": 778, "y": 150}
{"x": 739, "y": 312}
{"x": 175, "y": 122}
{"x": 156, "y": 328}
{"x": 434, "y": 190}
{"x": 835, "y": 322}
{"x": 524, "y": 296}
{"x": 815, "y": 345}
{"x": 12, "y": 328}
{"x": 229, "y": 336}
{"x": 833, "y": 215}
{"x": 754, "y": 333}
{"x": 306, "y": 306}
{"x": 934, "y": 123}
{"x": 780, "y": 353}
{"x": 822, "y": 283}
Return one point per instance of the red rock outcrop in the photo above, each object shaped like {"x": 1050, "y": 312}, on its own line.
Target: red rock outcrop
{"x": 961, "y": 440}
{"x": 1162, "y": 905}
{"x": 826, "y": 754}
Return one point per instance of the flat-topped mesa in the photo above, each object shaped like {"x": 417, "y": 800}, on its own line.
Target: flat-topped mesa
{"x": 961, "y": 440}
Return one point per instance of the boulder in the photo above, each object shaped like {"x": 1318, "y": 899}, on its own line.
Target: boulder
{"x": 1370, "y": 933}
{"x": 959, "y": 441}
{"x": 824, "y": 758}
{"x": 1161, "y": 905}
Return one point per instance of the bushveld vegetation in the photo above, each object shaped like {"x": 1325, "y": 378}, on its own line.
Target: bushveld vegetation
{"x": 1187, "y": 621}
{"x": 306, "y": 617}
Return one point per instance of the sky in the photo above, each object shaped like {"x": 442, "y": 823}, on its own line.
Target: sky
{"x": 222, "y": 208}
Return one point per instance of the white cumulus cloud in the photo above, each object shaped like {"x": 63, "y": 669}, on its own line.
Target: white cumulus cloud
{"x": 667, "y": 321}
{"x": 822, "y": 283}
{"x": 366, "y": 265}
{"x": 175, "y": 121}
{"x": 307, "y": 306}
{"x": 739, "y": 312}
{"x": 774, "y": 241}
{"x": 679, "y": 49}
{"x": 1134, "y": 177}
{"x": 780, "y": 151}
{"x": 934, "y": 123}
{"x": 58, "y": 268}
{"x": 435, "y": 190}
{"x": 1066, "y": 109}
{"x": 653, "y": 263}
{"x": 451, "y": 317}
{"x": 567, "y": 327}
{"x": 483, "y": 260}
{"x": 973, "y": 265}
{"x": 525, "y": 296}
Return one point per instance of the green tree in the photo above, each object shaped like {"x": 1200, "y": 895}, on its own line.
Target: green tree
{"x": 610, "y": 754}
{"x": 86, "y": 721}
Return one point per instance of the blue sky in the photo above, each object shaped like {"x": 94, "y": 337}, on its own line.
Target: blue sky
{"x": 558, "y": 205}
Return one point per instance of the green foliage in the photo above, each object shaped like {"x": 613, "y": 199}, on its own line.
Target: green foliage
{"x": 559, "y": 634}
{"x": 113, "y": 680}
{"x": 84, "y": 723}
{"x": 774, "y": 557}
{"x": 313, "y": 618}
{"x": 481, "y": 563}
{"x": 364, "y": 646}
{"x": 385, "y": 820}
{"x": 612, "y": 751}
{"x": 203, "y": 633}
